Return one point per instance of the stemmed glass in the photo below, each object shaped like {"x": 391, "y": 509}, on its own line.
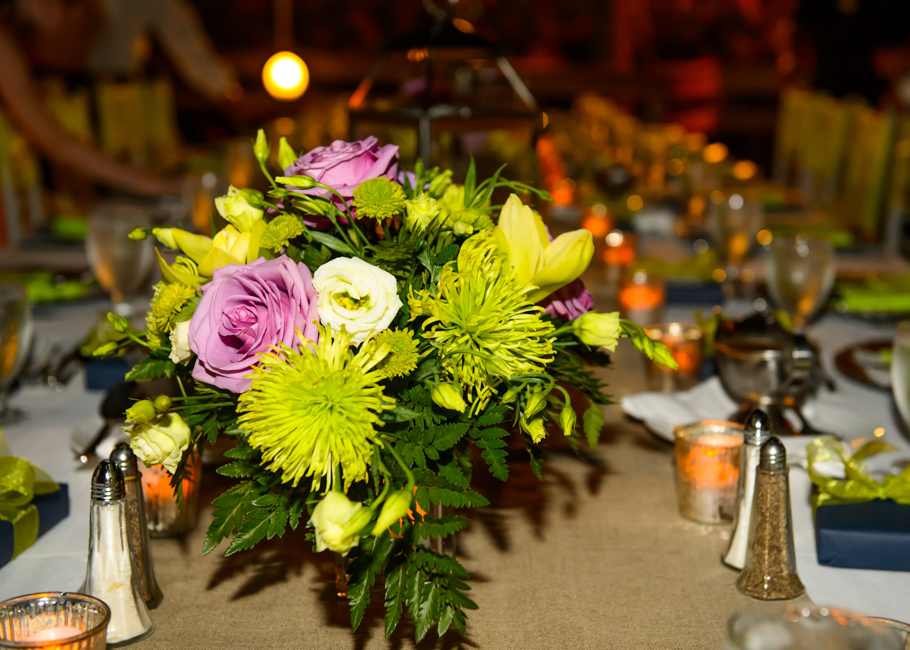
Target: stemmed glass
{"x": 800, "y": 276}
{"x": 15, "y": 340}
{"x": 737, "y": 220}
{"x": 120, "y": 263}
{"x": 900, "y": 377}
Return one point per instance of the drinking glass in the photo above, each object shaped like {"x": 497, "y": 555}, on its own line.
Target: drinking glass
{"x": 15, "y": 340}
{"x": 800, "y": 276}
{"x": 900, "y": 369}
{"x": 120, "y": 264}
{"x": 737, "y": 220}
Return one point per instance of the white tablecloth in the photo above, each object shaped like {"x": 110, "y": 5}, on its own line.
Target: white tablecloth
{"x": 854, "y": 411}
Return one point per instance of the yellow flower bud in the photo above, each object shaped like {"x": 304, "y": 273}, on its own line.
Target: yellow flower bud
{"x": 598, "y": 329}
{"x": 535, "y": 428}
{"x": 141, "y": 412}
{"x": 535, "y": 404}
{"x": 396, "y": 506}
{"x": 330, "y": 519}
{"x": 567, "y": 419}
{"x": 105, "y": 349}
{"x": 286, "y": 155}
{"x": 448, "y": 396}
{"x": 240, "y": 208}
{"x": 162, "y": 403}
{"x": 261, "y": 147}
{"x": 118, "y": 323}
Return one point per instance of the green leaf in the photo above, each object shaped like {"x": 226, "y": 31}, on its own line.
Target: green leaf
{"x": 593, "y": 420}
{"x": 470, "y": 183}
{"x": 394, "y": 596}
{"x": 426, "y": 611}
{"x": 447, "y": 497}
{"x": 315, "y": 256}
{"x": 230, "y": 507}
{"x": 332, "y": 242}
{"x": 493, "y": 415}
{"x": 252, "y": 531}
{"x": 151, "y": 368}
{"x": 448, "y": 435}
{"x": 536, "y": 456}
{"x": 440, "y": 527}
{"x": 445, "y": 619}
{"x": 239, "y": 469}
{"x": 453, "y": 475}
{"x": 496, "y": 460}
{"x": 186, "y": 312}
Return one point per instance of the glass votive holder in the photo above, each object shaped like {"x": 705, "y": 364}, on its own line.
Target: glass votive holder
{"x": 683, "y": 340}
{"x": 61, "y": 621}
{"x": 165, "y": 517}
{"x": 641, "y": 298}
{"x": 707, "y": 469}
{"x": 802, "y": 625}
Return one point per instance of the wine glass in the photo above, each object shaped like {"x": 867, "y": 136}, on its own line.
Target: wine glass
{"x": 121, "y": 264}
{"x": 15, "y": 340}
{"x": 737, "y": 220}
{"x": 800, "y": 276}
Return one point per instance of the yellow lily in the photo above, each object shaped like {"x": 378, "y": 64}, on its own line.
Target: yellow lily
{"x": 183, "y": 270}
{"x": 541, "y": 265}
{"x": 232, "y": 247}
{"x": 196, "y": 247}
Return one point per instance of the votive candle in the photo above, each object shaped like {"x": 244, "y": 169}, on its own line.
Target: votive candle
{"x": 707, "y": 464}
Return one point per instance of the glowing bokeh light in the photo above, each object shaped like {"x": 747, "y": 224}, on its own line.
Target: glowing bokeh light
{"x": 285, "y": 76}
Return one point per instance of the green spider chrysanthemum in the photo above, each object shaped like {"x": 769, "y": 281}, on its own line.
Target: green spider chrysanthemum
{"x": 403, "y": 356}
{"x": 309, "y": 413}
{"x": 481, "y": 324}
{"x": 379, "y": 198}
{"x": 467, "y": 222}
{"x": 168, "y": 300}
{"x": 280, "y": 231}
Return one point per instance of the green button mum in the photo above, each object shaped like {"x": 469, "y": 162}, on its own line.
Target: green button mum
{"x": 379, "y": 198}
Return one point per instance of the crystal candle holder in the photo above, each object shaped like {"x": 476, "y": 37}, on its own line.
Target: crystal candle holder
{"x": 641, "y": 298}
{"x": 58, "y": 621}
{"x": 707, "y": 470}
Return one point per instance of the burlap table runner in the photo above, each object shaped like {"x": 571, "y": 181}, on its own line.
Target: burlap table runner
{"x": 595, "y": 556}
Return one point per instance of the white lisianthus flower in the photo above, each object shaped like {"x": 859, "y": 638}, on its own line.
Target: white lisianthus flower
{"x": 180, "y": 343}
{"x": 159, "y": 441}
{"x": 338, "y": 522}
{"x": 356, "y": 295}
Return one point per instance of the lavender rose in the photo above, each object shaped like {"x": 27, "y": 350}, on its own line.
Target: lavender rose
{"x": 344, "y": 165}
{"x": 245, "y": 309}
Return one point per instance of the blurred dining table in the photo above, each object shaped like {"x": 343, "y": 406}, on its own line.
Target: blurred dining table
{"x": 596, "y": 555}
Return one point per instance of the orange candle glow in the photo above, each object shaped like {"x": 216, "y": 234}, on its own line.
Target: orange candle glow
{"x": 707, "y": 461}
{"x": 641, "y": 296}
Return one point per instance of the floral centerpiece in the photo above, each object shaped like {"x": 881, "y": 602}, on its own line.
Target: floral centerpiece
{"x": 356, "y": 332}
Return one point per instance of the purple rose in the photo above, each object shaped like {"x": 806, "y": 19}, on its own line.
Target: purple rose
{"x": 345, "y": 165}
{"x": 245, "y": 309}
{"x": 569, "y": 302}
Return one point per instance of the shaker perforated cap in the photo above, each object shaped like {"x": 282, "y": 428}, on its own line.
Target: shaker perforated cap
{"x": 758, "y": 428}
{"x": 107, "y": 482}
{"x": 773, "y": 455}
{"x": 125, "y": 460}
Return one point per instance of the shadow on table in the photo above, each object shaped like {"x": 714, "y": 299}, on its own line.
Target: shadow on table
{"x": 531, "y": 496}
{"x": 338, "y": 614}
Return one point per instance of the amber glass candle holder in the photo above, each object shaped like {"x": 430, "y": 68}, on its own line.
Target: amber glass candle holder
{"x": 683, "y": 340}
{"x": 58, "y": 621}
{"x": 707, "y": 470}
{"x": 164, "y": 516}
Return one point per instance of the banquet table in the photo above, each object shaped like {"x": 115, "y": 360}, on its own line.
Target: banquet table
{"x": 595, "y": 555}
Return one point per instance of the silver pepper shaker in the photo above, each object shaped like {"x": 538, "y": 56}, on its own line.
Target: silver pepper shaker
{"x": 138, "y": 531}
{"x": 111, "y": 570}
{"x": 756, "y": 432}
{"x": 770, "y": 568}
